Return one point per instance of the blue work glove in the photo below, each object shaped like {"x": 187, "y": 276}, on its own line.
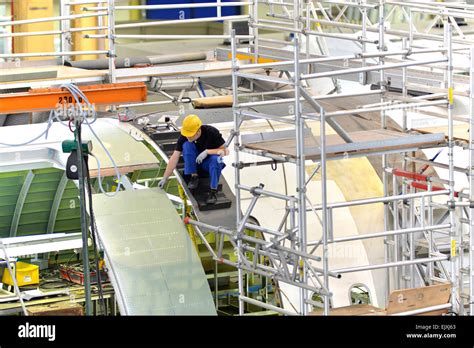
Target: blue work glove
{"x": 202, "y": 156}
{"x": 162, "y": 183}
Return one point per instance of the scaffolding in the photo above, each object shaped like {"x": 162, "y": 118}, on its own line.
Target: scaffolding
{"x": 106, "y": 11}
{"x": 408, "y": 208}
{"x": 410, "y": 198}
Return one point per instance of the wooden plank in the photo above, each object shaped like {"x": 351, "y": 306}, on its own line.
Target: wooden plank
{"x": 53, "y": 309}
{"x": 411, "y": 299}
{"x": 288, "y": 146}
{"x": 360, "y": 309}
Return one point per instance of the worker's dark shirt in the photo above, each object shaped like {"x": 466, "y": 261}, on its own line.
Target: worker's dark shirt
{"x": 210, "y": 138}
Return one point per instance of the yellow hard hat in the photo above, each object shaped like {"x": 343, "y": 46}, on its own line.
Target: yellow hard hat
{"x": 191, "y": 125}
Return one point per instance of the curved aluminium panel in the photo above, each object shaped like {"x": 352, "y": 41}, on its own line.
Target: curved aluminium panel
{"x": 152, "y": 262}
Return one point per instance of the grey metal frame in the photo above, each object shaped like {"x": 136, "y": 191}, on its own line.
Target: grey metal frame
{"x": 296, "y": 17}
{"x": 400, "y": 241}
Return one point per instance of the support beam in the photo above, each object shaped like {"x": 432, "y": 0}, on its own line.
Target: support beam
{"x": 42, "y": 99}
{"x": 55, "y": 206}
{"x": 20, "y": 202}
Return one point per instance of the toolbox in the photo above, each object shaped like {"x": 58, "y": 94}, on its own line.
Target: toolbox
{"x": 75, "y": 274}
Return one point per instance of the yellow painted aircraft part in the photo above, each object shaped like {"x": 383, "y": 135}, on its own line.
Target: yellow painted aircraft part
{"x": 135, "y": 15}
{"x": 78, "y": 42}
{"x": 33, "y": 9}
{"x": 361, "y": 184}
{"x": 460, "y": 131}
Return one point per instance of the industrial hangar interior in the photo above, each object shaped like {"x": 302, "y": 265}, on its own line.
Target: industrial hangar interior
{"x": 252, "y": 158}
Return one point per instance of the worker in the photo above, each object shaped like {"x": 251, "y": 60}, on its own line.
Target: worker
{"x": 202, "y": 147}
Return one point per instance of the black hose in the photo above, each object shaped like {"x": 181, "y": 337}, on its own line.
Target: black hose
{"x": 94, "y": 241}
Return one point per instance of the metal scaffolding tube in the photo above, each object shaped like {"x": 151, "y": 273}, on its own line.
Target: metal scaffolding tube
{"x": 265, "y": 78}
{"x": 111, "y": 41}
{"x": 423, "y": 310}
{"x": 265, "y": 192}
{"x": 283, "y": 119}
{"x": 164, "y": 37}
{"x": 448, "y": 32}
{"x": 178, "y": 21}
{"x": 380, "y": 200}
{"x": 436, "y": 164}
{"x": 51, "y": 54}
{"x": 315, "y": 98}
{"x": 13, "y": 276}
{"x": 387, "y": 233}
{"x": 276, "y": 3}
{"x": 241, "y": 236}
{"x": 171, "y": 6}
{"x": 471, "y": 186}
{"x": 262, "y": 229}
{"x": 50, "y": 19}
{"x": 237, "y": 140}
{"x": 385, "y": 108}
{"x": 371, "y": 68}
{"x": 341, "y": 37}
{"x": 446, "y": 13}
{"x": 50, "y": 32}
{"x": 356, "y": 56}
{"x": 390, "y": 264}
{"x": 65, "y": 32}
{"x": 431, "y": 5}
{"x": 357, "y": 4}
{"x": 275, "y": 41}
{"x": 267, "y": 154}
{"x": 266, "y": 306}
{"x": 274, "y": 253}
{"x": 334, "y": 125}
{"x": 402, "y": 33}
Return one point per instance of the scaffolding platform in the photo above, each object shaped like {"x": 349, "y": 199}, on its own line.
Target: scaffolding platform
{"x": 365, "y": 143}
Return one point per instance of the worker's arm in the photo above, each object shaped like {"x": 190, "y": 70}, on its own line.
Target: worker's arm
{"x": 221, "y": 151}
{"x": 172, "y": 163}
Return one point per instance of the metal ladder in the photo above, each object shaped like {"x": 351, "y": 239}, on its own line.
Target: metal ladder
{"x": 12, "y": 274}
{"x": 466, "y": 275}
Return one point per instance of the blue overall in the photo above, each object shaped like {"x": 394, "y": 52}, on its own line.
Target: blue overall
{"x": 212, "y": 163}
